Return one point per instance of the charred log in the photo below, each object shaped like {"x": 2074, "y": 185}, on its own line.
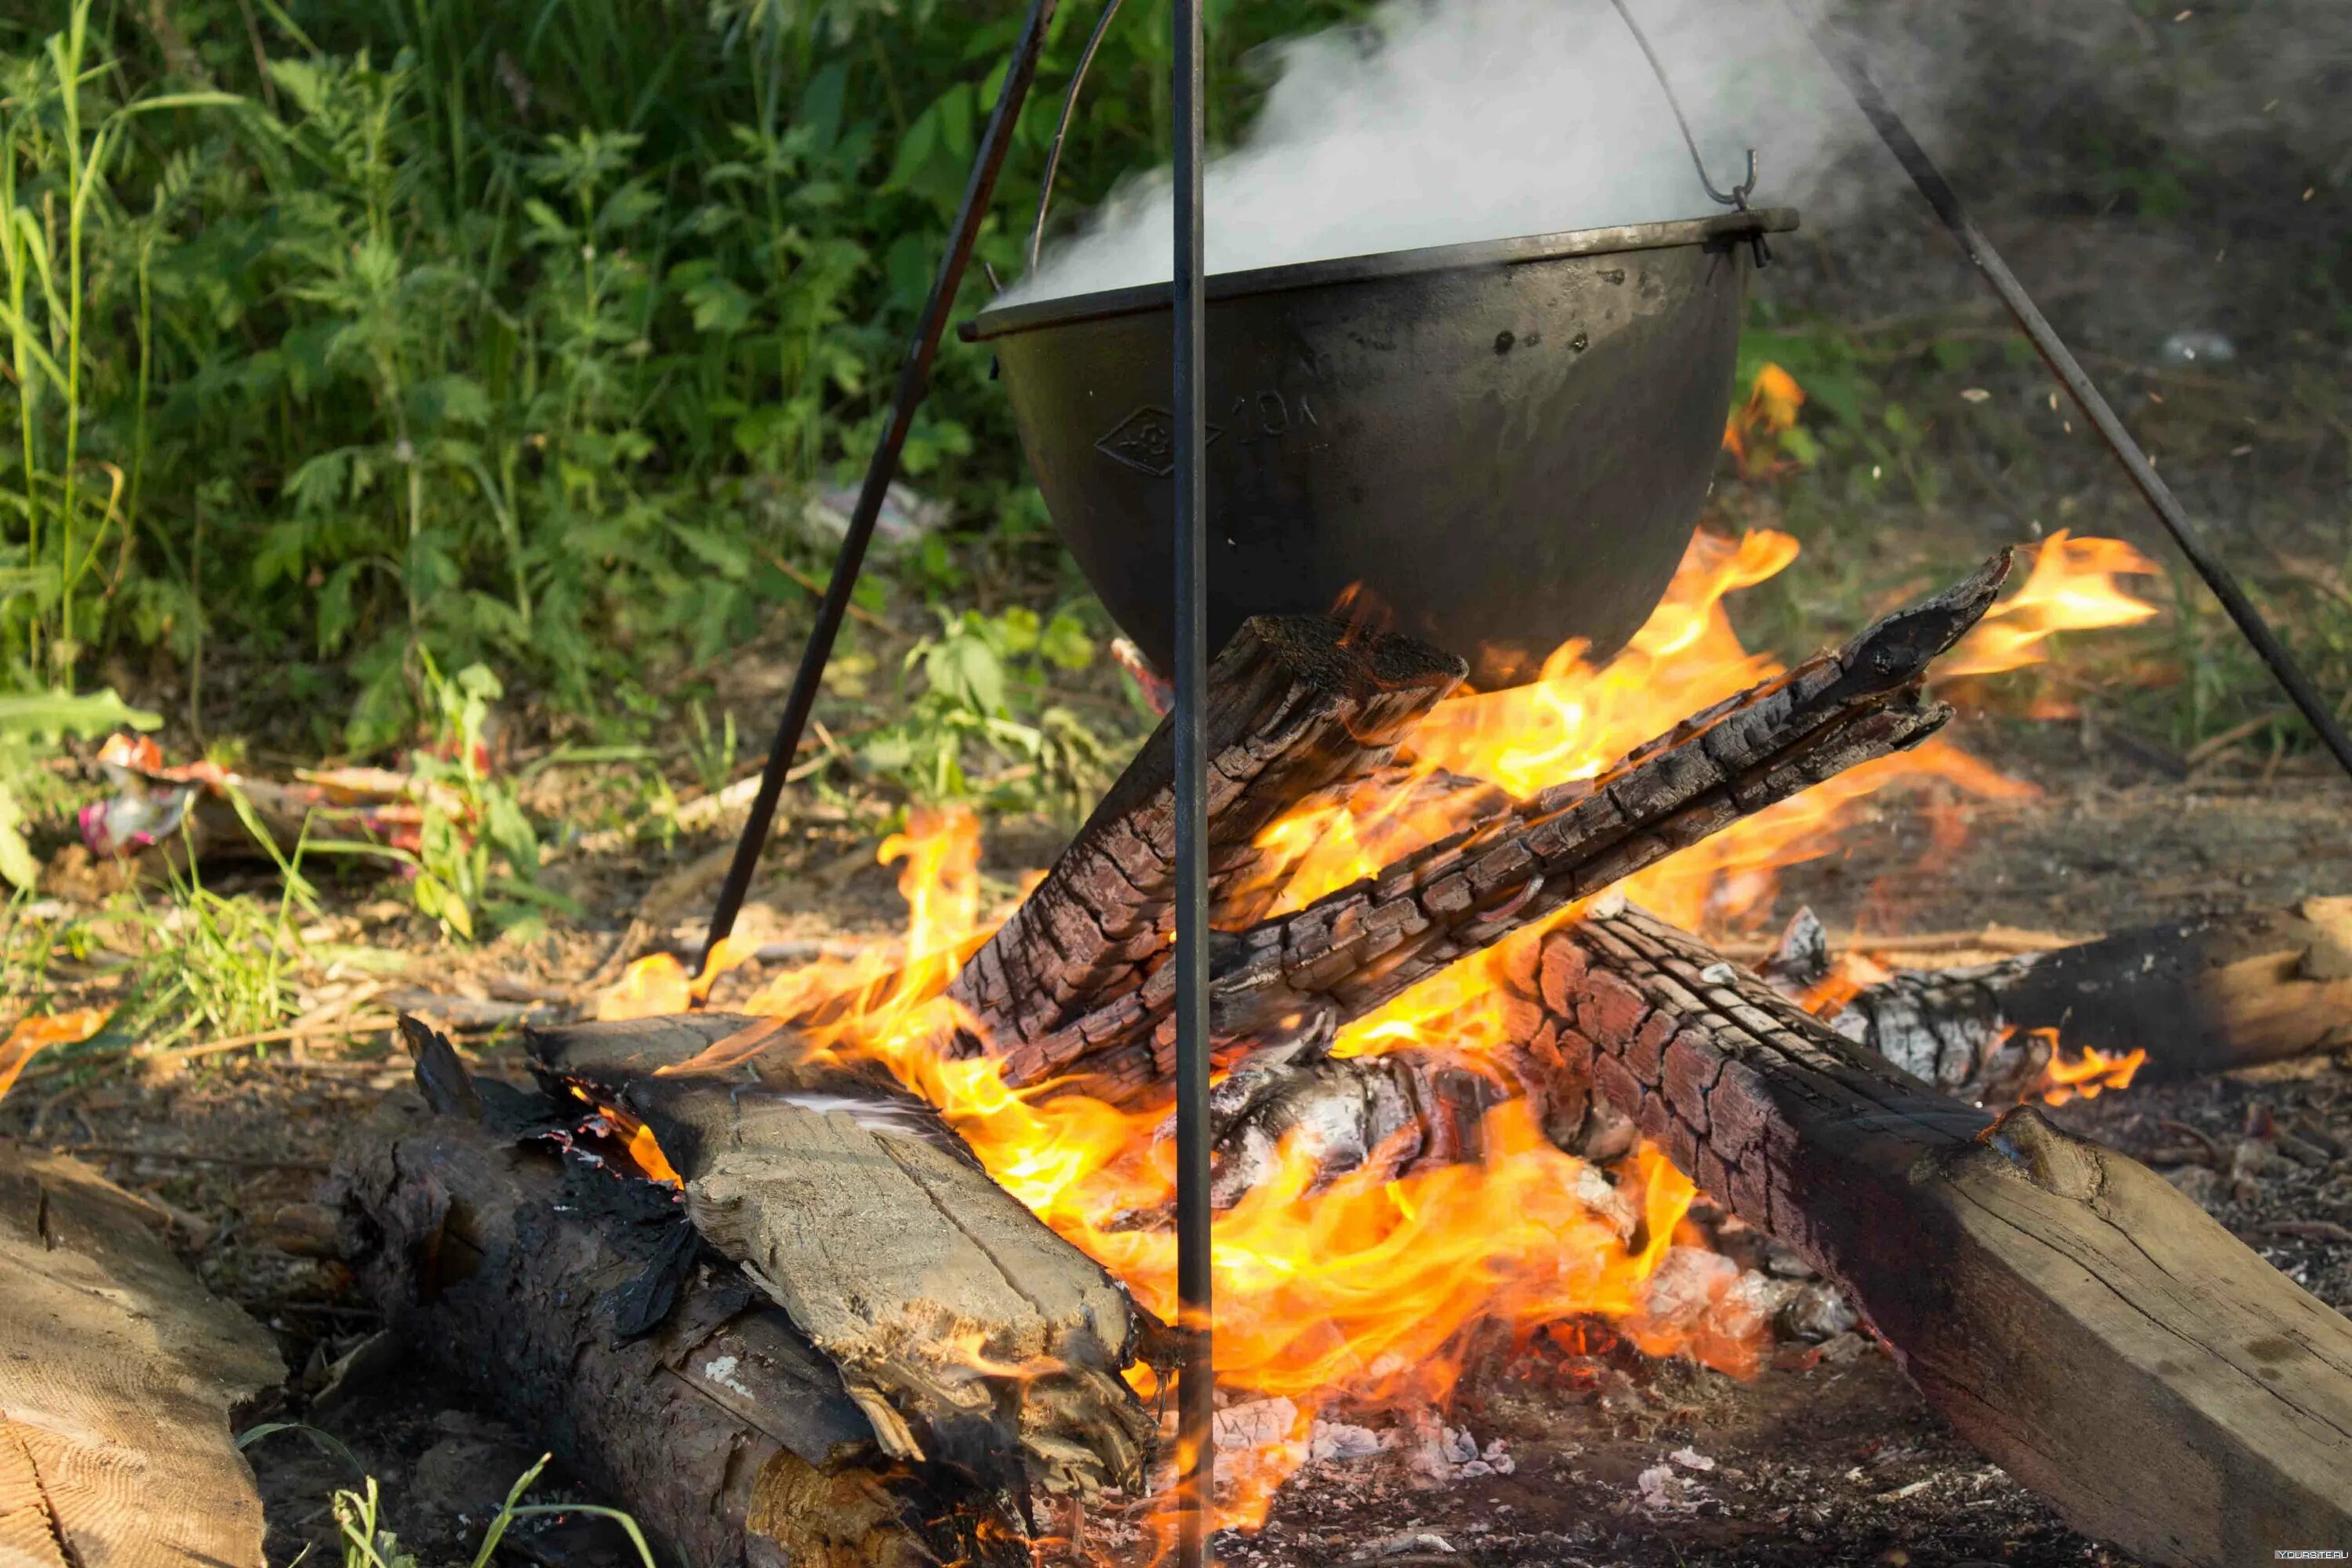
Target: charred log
{"x": 1301, "y": 976}
{"x": 2197, "y": 996}
{"x": 1294, "y": 704}
{"x": 524, "y": 1267}
{"x": 2043, "y": 1292}
{"x": 964, "y": 1328}
{"x": 120, "y": 1383}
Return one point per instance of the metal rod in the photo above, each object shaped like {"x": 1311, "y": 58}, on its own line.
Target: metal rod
{"x": 914, "y": 380}
{"x": 1062, "y": 127}
{"x": 1196, "y": 1456}
{"x": 1846, "y": 60}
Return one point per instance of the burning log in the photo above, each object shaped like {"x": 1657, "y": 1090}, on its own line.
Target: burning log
{"x": 2043, "y": 1292}
{"x": 1296, "y": 977}
{"x": 121, "y": 1382}
{"x": 1404, "y": 1109}
{"x": 2196, "y": 996}
{"x": 581, "y": 1301}
{"x": 1296, "y": 704}
{"x": 965, "y": 1329}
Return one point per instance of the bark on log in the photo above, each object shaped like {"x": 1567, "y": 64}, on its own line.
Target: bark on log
{"x": 1294, "y": 704}
{"x": 521, "y": 1267}
{"x": 118, "y": 1386}
{"x": 963, "y": 1327}
{"x": 1301, "y": 975}
{"x": 2199, "y": 996}
{"x": 2043, "y": 1292}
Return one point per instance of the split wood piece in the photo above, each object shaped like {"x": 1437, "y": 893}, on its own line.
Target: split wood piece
{"x": 1301, "y": 976}
{"x": 518, "y": 1268}
{"x": 2043, "y": 1292}
{"x": 121, "y": 1382}
{"x": 1402, "y": 1111}
{"x": 1294, "y": 704}
{"x": 964, "y": 1328}
{"x": 2199, "y": 996}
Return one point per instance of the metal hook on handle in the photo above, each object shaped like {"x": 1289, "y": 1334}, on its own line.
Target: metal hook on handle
{"x": 1735, "y": 198}
{"x": 1062, "y": 127}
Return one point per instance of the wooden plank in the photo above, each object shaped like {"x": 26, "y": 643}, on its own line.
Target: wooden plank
{"x": 118, "y": 1390}
{"x": 962, "y": 1326}
{"x": 2046, "y": 1294}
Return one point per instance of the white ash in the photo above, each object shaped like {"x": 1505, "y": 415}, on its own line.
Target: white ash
{"x": 1663, "y": 1491}
{"x": 1254, "y": 1424}
{"x": 1405, "y": 1543}
{"x": 1446, "y": 1453}
{"x": 1342, "y": 1443}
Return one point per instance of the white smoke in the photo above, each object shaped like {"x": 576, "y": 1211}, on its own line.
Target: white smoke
{"x": 1448, "y": 121}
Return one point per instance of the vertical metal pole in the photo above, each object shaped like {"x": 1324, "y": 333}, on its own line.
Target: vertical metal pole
{"x": 914, "y": 380}
{"x": 1196, "y": 1457}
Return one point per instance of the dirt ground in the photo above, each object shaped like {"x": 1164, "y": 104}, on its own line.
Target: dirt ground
{"x": 1826, "y": 1456}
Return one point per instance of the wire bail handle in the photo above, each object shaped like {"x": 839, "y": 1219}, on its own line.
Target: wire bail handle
{"x": 1737, "y": 196}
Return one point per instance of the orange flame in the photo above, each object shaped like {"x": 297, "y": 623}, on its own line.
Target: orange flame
{"x": 1365, "y": 1291}
{"x": 2071, "y": 587}
{"x": 1361, "y": 1291}
{"x": 658, "y": 984}
{"x": 1774, "y": 399}
{"x": 2088, "y": 1075}
{"x": 642, "y": 1150}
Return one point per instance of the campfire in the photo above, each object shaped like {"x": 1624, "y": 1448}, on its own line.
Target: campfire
{"x": 1474, "y": 1087}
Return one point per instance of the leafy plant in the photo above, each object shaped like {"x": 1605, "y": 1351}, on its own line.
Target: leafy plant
{"x": 516, "y": 332}
{"x": 54, "y": 188}
{"x": 479, "y": 852}
{"x": 982, "y": 726}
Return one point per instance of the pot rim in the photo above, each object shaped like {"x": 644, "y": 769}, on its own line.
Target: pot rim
{"x": 1721, "y": 229}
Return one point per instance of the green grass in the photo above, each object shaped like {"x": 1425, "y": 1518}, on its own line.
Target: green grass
{"x": 358, "y": 1510}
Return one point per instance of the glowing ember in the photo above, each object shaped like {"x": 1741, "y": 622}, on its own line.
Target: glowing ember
{"x": 37, "y": 1030}
{"x": 641, "y": 1149}
{"x": 2089, "y": 1075}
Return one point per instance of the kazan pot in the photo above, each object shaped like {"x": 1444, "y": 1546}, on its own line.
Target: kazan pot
{"x": 1498, "y": 446}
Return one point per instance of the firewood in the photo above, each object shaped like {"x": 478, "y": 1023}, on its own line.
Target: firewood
{"x": 2197, "y": 996}
{"x": 1294, "y": 704}
{"x": 1304, "y": 973}
{"x": 963, "y": 1327}
{"x": 1401, "y": 1110}
{"x": 2045, "y": 1294}
{"x": 522, "y": 1267}
{"x": 122, "y": 1378}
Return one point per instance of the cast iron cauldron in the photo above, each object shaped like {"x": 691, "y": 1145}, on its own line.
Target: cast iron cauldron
{"x": 1505, "y": 444}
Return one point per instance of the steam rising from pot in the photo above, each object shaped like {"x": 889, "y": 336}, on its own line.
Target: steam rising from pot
{"x": 1447, "y": 120}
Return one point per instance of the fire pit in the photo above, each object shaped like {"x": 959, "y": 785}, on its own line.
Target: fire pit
{"x": 1501, "y": 445}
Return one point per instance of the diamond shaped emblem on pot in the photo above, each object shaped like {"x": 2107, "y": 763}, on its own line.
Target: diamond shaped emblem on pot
{"x": 1146, "y": 441}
